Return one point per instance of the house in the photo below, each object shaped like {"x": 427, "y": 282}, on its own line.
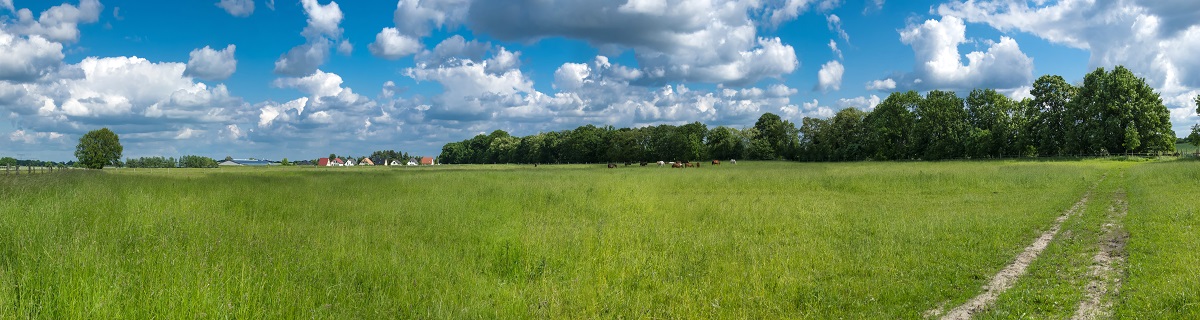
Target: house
{"x": 349, "y": 162}
{"x": 229, "y": 163}
{"x": 393, "y": 162}
{"x": 324, "y": 162}
{"x": 366, "y": 162}
{"x": 412, "y": 162}
{"x": 338, "y": 162}
{"x": 427, "y": 161}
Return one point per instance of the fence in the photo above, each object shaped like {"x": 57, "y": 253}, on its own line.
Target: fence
{"x": 16, "y": 170}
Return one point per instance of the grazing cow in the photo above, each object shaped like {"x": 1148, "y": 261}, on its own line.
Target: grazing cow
{"x": 612, "y": 165}
{"x": 644, "y": 163}
{"x": 689, "y": 164}
{"x": 676, "y": 164}
{"x": 716, "y": 162}
{"x": 733, "y": 161}
{"x": 660, "y": 163}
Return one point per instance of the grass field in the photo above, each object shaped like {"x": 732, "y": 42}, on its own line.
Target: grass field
{"x": 755, "y": 240}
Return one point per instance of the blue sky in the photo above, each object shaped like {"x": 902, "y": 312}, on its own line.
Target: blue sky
{"x": 302, "y": 79}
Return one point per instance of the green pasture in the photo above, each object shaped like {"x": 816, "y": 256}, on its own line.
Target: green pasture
{"x": 753, "y": 240}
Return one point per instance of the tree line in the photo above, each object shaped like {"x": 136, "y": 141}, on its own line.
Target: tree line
{"x": 189, "y": 161}
{"x": 770, "y": 138}
{"x": 1112, "y": 112}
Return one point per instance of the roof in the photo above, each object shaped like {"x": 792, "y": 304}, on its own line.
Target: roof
{"x": 427, "y": 160}
{"x": 368, "y": 161}
{"x": 253, "y": 163}
{"x": 338, "y": 160}
{"x": 229, "y": 163}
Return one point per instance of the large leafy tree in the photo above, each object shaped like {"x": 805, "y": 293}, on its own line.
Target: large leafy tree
{"x": 98, "y": 148}
{"x": 1117, "y": 112}
{"x": 941, "y": 125}
{"x": 725, "y": 143}
{"x": 1048, "y": 119}
{"x": 993, "y": 127}
{"x": 890, "y": 126}
{"x": 781, "y": 135}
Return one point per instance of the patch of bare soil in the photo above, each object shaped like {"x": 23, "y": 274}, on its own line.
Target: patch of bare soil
{"x": 1108, "y": 265}
{"x": 1008, "y": 276}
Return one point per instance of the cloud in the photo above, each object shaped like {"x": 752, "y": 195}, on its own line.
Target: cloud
{"x": 834, "y": 47}
{"x": 700, "y": 41}
{"x": 882, "y": 85}
{"x": 237, "y": 8}
{"x": 419, "y": 17}
{"x": 1156, "y": 39}
{"x": 835, "y": 24}
{"x": 939, "y": 64}
{"x": 865, "y": 103}
{"x": 345, "y": 48}
{"x": 390, "y": 44}
{"x": 319, "y": 84}
{"x": 27, "y": 58}
{"x": 140, "y": 99}
{"x": 59, "y": 23}
{"x": 321, "y": 32}
{"x": 33, "y": 137}
{"x": 830, "y": 76}
{"x": 571, "y": 76}
{"x": 7, "y": 4}
{"x": 213, "y": 65}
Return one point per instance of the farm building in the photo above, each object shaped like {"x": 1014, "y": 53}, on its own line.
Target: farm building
{"x": 366, "y": 162}
{"x": 245, "y": 162}
{"x": 427, "y": 161}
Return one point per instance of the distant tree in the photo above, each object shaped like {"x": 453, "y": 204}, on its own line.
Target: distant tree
{"x": 192, "y": 161}
{"x": 8, "y": 161}
{"x": 98, "y": 148}
{"x": 1197, "y": 101}
{"x": 285, "y": 162}
{"x": 725, "y": 143}
{"x": 1194, "y": 137}
{"x": 781, "y": 135}
{"x": 228, "y": 158}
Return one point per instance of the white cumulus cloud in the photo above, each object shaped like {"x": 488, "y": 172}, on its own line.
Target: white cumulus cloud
{"x": 59, "y": 23}
{"x": 390, "y": 44}
{"x": 939, "y": 64}
{"x": 881, "y": 85}
{"x": 213, "y": 65}
{"x": 24, "y": 59}
{"x": 237, "y": 8}
{"x": 830, "y": 76}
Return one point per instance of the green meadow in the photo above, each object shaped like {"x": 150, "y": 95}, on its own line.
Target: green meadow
{"x": 752, "y": 240}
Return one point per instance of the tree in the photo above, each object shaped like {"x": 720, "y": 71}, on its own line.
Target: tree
{"x": 941, "y": 126}
{"x": 1117, "y": 112}
{"x": 890, "y": 126}
{"x": 1194, "y": 137}
{"x": 1048, "y": 119}
{"x": 98, "y": 148}
{"x": 725, "y": 143}
{"x": 285, "y": 162}
{"x": 781, "y": 135}
{"x": 8, "y": 161}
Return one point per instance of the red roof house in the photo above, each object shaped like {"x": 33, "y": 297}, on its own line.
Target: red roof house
{"x": 427, "y": 161}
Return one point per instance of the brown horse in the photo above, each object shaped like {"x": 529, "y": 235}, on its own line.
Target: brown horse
{"x": 612, "y": 165}
{"x": 689, "y": 164}
{"x": 677, "y": 165}
{"x": 716, "y": 162}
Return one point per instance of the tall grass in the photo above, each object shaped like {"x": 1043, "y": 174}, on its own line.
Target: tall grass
{"x": 755, "y": 240}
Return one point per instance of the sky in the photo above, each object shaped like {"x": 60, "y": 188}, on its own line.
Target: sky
{"x": 302, "y": 79}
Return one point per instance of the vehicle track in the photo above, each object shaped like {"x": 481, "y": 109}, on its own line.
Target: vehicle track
{"x": 1008, "y": 276}
{"x": 1108, "y": 265}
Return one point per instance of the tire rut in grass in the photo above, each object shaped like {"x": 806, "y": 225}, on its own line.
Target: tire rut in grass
{"x": 1008, "y": 276}
{"x": 1108, "y": 265}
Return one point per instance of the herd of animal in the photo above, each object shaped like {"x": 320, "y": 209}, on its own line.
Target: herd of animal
{"x": 673, "y": 164}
